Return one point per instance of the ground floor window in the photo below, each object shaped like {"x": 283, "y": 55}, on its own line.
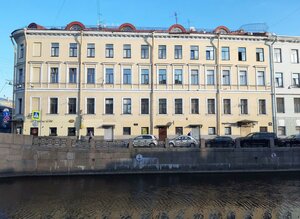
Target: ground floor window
{"x": 71, "y": 131}
{"x": 144, "y": 130}
{"x": 298, "y": 129}
{"x": 211, "y": 130}
{"x": 263, "y": 129}
{"x": 89, "y": 129}
{"x": 126, "y": 131}
{"x": 281, "y": 131}
{"x": 179, "y": 130}
{"x": 227, "y": 130}
{"x": 52, "y": 131}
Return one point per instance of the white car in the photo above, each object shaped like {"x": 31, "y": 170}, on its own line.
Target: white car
{"x": 145, "y": 141}
{"x": 183, "y": 141}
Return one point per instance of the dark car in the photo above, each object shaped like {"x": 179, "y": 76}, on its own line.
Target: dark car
{"x": 258, "y": 139}
{"x": 220, "y": 141}
{"x": 291, "y": 141}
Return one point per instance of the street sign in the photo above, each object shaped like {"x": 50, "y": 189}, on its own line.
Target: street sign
{"x": 36, "y": 115}
{"x": 6, "y": 115}
{"x": 35, "y": 123}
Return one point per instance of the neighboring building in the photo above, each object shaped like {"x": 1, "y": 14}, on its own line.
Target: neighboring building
{"x": 122, "y": 82}
{"x": 287, "y": 84}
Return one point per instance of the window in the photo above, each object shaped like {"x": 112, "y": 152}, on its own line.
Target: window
{"x": 260, "y": 78}
{"x": 211, "y": 130}
{"x": 71, "y": 131}
{"x": 244, "y": 106}
{"x": 211, "y": 106}
{"x": 20, "y": 103}
{"x": 73, "y": 50}
{"x": 72, "y": 105}
{"x": 72, "y": 75}
{"x": 145, "y": 130}
{"x": 297, "y": 105}
{"x": 194, "y": 77}
{"x": 210, "y": 77}
{"x": 195, "y": 106}
{"x": 242, "y": 54}
{"x": 263, "y": 129}
{"x": 294, "y": 56}
{"x": 243, "y": 78}
{"x": 21, "y": 51}
{"x": 162, "y": 106}
{"x": 144, "y": 51}
{"x": 280, "y": 104}
{"x": 126, "y": 106}
{"x": 178, "y": 106}
{"x": 126, "y": 131}
{"x": 277, "y": 55}
{"x": 178, "y": 52}
{"x": 54, "y": 75}
{"x": 259, "y": 54}
{"x": 52, "y": 131}
{"x": 262, "y": 106}
{"x": 179, "y": 130}
{"x": 90, "y": 75}
{"x": 162, "y": 51}
{"x": 145, "y": 76}
{"x": 281, "y": 131}
{"x": 226, "y": 77}
{"x": 109, "y": 106}
{"x": 227, "y": 130}
{"x": 194, "y": 52}
{"x": 54, "y": 49}
{"x": 145, "y": 106}
{"x": 298, "y": 129}
{"x": 278, "y": 79}
{"x": 21, "y": 76}
{"x": 210, "y": 53}
{"x": 53, "y": 105}
{"x": 109, "y": 75}
{"x": 88, "y": 130}
{"x": 90, "y": 106}
{"x": 225, "y": 53}
{"x": 296, "y": 79}
{"x": 226, "y": 106}
{"x": 127, "y": 51}
{"x": 178, "y": 76}
{"x": 162, "y": 75}
{"x": 126, "y": 76}
{"x": 91, "y": 50}
{"x": 109, "y": 50}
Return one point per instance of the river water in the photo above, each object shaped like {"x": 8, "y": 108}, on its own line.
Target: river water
{"x": 178, "y": 196}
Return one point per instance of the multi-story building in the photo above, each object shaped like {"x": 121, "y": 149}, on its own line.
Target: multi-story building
{"x": 287, "y": 84}
{"x": 124, "y": 81}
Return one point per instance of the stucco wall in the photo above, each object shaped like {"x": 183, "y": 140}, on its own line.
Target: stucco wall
{"x": 19, "y": 155}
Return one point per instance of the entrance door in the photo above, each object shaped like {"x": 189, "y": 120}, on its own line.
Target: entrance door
{"x": 162, "y": 133}
{"x": 108, "y": 133}
{"x": 34, "y": 131}
{"x": 245, "y": 130}
{"x": 195, "y": 133}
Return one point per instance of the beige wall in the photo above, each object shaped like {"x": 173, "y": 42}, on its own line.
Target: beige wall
{"x": 37, "y": 70}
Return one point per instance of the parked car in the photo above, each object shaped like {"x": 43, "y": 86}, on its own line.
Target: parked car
{"x": 220, "y": 141}
{"x": 258, "y": 139}
{"x": 291, "y": 141}
{"x": 145, "y": 141}
{"x": 183, "y": 141}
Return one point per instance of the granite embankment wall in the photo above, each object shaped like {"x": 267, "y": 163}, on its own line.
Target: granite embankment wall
{"x": 25, "y": 155}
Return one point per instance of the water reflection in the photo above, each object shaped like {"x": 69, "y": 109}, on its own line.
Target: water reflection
{"x": 241, "y": 196}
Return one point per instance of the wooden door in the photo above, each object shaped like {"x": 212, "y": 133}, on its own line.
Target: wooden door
{"x": 162, "y": 133}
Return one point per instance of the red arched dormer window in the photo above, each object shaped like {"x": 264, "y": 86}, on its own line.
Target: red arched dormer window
{"x": 75, "y": 25}
{"x": 222, "y": 30}
{"x": 176, "y": 28}
{"x": 127, "y": 27}
{"x": 35, "y": 26}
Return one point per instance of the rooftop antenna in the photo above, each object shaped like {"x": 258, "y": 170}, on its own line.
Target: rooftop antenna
{"x": 176, "y": 17}
{"x": 189, "y": 23}
{"x": 98, "y": 14}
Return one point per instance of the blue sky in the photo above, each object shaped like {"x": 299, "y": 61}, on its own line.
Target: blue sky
{"x": 282, "y": 17}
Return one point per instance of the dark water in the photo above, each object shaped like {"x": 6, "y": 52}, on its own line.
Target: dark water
{"x": 177, "y": 196}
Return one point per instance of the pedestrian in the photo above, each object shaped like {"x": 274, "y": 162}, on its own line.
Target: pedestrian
{"x": 90, "y": 136}
{"x": 189, "y": 134}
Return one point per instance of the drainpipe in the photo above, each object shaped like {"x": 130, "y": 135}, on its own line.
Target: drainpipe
{"x": 152, "y": 87}
{"x": 14, "y": 82}
{"x": 218, "y": 95}
{"x": 273, "y": 93}
{"x": 79, "y": 111}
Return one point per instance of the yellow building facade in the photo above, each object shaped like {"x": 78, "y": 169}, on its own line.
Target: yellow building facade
{"x": 121, "y": 82}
